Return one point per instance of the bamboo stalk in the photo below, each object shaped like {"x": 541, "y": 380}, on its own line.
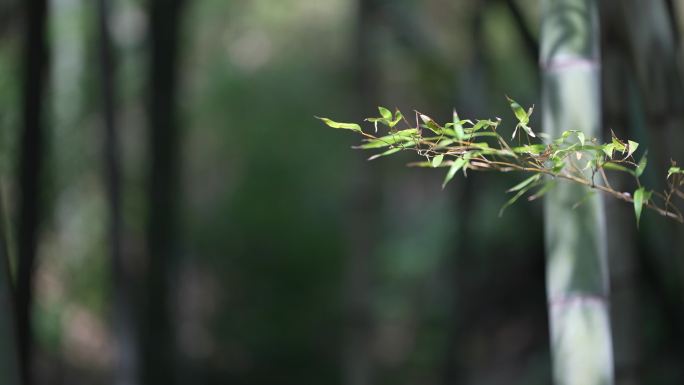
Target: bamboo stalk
{"x": 577, "y": 271}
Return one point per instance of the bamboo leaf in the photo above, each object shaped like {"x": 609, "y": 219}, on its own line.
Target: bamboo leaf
{"x": 640, "y": 197}
{"x": 543, "y": 190}
{"x": 458, "y": 127}
{"x": 455, "y": 166}
{"x": 516, "y": 197}
{"x": 524, "y": 183}
{"x": 519, "y": 112}
{"x": 388, "y": 152}
{"x": 674, "y": 170}
{"x": 397, "y": 118}
{"x": 528, "y": 130}
{"x": 437, "y": 160}
{"x": 617, "y": 167}
{"x": 385, "y": 113}
{"x": 345, "y": 126}
{"x": 533, "y": 149}
{"x": 608, "y": 149}
{"x": 642, "y": 165}
{"x": 631, "y": 147}
{"x": 430, "y": 124}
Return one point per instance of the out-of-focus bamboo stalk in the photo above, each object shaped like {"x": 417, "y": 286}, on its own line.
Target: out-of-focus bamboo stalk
{"x": 577, "y": 272}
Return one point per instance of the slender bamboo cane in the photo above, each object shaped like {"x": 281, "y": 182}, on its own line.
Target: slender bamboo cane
{"x": 577, "y": 272}
{"x": 9, "y": 355}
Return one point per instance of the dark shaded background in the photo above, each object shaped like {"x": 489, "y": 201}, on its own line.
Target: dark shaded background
{"x": 194, "y": 223}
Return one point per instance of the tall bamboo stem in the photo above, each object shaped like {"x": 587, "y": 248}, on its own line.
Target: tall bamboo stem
{"x": 577, "y": 271}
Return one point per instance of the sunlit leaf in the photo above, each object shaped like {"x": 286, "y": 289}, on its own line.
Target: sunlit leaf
{"x": 519, "y": 112}
{"x": 617, "y": 145}
{"x": 631, "y": 147}
{"x": 385, "y": 113}
{"x": 437, "y": 160}
{"x": 608, "y": 149}
{"x": 397, "y": 118}
{"x": 346, "y": 126}
{"x": 640, "y": 197}
{"x": 528, "y": 130}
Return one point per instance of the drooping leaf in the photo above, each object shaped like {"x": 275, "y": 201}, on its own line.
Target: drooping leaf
{"x": 548, "y": 185}
{"x": 524, "y": 183}
{"x": 640, "y": 197}
{"x": 437, "y": 160}
{"x": 455, "y": 166}
{"x": 388, "y": 152}
{"x": 516, "y": 196}
{"x": 617, "y": 167}
{"x": 528, "y": 130}
{"x": 345, "y": 126}
{"x": 642, "y": 165}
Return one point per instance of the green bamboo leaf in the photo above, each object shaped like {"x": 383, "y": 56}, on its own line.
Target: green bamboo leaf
{"x": 345, "y": 126}
{"x": 516, "y": 197}
{"x": 388, "y": 152}
{"x": 385, "y": 113}
{"x": 519, "y": 112}
{"x": 455, "y": 166}
{"x": 431, "y": 125}
{"x": 533, "y": 149}
{"x": 640, "y": 197}
{"x": 631, "y": 147}
{"x": 385, "y": 141}
{"x": 642, "y": 165}
{"x": 528, "y": 130}
{"x": 617, "y": 167}
{"x": 580, "y": 136}
{"x": 543, "y": 190}
{"x": 437, "y": 160}
{"x": 674, "y": 170}
{"x": 608, "y": 149}
{"x": 397, "y": 118}
{"x": 458, "y": 127}
{"x": 524, "y": 183}
{"x": 482, "y": 135}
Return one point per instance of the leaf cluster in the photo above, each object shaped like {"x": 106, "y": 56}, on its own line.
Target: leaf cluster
{"x": 477, "y": 145}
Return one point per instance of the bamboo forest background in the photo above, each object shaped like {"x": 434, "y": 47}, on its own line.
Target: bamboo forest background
{"x": 182, "y": 218}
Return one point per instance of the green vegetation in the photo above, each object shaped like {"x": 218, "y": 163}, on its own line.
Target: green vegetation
{"x": 478, "y": 145}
